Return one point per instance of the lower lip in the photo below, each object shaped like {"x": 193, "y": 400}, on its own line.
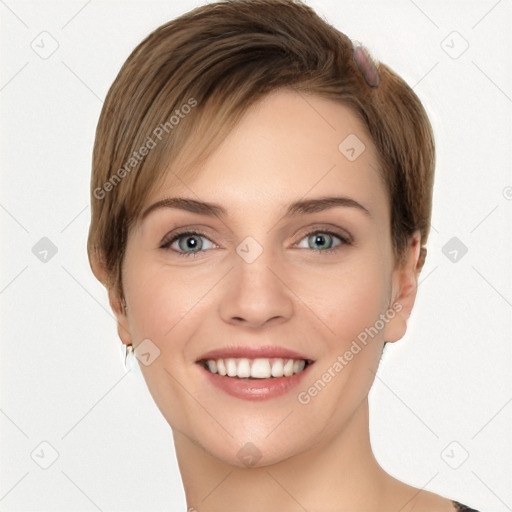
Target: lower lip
{"x": 255, "y": 389}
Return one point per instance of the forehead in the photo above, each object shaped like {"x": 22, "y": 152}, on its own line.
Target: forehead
{"x": 288, "y": 146}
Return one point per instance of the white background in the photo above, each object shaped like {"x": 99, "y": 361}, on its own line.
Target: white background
{"x": 442, "y": 393}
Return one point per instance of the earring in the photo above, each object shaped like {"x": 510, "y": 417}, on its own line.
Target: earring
{"x": 130, "y": 359}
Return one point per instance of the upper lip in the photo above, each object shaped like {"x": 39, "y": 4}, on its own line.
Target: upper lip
{"x": 268, "y": 351}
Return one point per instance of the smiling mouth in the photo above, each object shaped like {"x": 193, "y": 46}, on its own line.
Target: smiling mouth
{"x": 255, "y": 368}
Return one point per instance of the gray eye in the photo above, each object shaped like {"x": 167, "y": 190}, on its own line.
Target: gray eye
{"x": 191, "y": 242}
{"x": 319, "y": 240}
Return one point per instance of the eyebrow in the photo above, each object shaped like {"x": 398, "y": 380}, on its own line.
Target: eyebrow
{"x": 300, "y": 207}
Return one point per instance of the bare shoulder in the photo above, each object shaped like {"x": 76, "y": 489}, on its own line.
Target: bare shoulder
{"x": 407, "y": 498}
{"x": 430, "y": 502}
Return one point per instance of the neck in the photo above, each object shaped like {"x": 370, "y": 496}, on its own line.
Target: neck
{"x": 341, "y": 474}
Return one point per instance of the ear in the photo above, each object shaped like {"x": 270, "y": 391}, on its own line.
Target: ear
{"x": 115, "y": 300}
{"x": 404, "y": 289}
{"x": 120, "y": 311}
{"x": 98, "y": 266}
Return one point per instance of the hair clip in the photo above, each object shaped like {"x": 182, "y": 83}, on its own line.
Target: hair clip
{"x": 365, "y": 64}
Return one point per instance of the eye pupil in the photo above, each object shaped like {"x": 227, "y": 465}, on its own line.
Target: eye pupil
{"x": 191, "y": 242}
{"x": 320, "y": 240}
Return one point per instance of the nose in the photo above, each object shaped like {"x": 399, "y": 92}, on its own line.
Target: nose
{"x": 256, "y": 294}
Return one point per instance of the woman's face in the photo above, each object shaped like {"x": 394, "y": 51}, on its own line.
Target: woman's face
{"x": 316, "y": 280}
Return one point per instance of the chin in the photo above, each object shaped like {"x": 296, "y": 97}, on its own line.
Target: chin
{"x": 252, "y": 454}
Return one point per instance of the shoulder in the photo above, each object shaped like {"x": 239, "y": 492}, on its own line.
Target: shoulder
{"x": 430, "y": 502}
{"x": 426, "y": 501}
{"x": 407, "y": 498}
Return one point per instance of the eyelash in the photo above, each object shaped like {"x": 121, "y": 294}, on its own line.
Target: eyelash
{"x": 344, "y": 241}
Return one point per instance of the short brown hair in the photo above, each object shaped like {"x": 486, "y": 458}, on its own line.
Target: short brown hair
{"x": 217, "y": 60}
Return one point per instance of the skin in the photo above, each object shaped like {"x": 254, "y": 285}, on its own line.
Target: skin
{"x": 314, "y": 456}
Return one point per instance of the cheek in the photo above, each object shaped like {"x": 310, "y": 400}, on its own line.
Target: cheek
{"x": 161, "y": 302}
{"x": 343, "y": 298}
{"x": 159, "y": 296}
{"x": 349, "y": 298}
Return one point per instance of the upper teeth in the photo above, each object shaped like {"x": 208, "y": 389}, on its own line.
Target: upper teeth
{"x": 256, "y": 368}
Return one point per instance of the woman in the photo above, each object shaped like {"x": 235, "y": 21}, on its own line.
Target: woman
{"x": 261, "y": 200}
